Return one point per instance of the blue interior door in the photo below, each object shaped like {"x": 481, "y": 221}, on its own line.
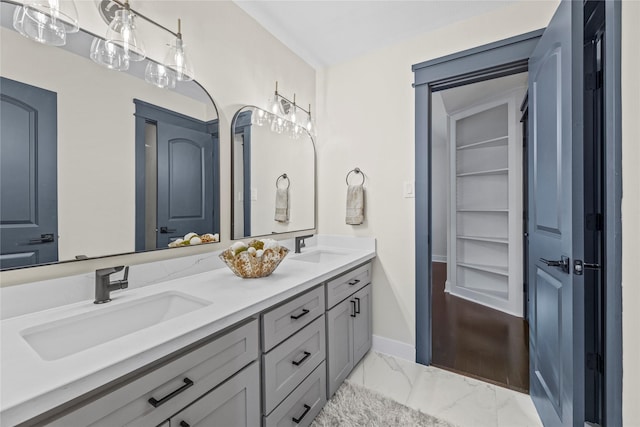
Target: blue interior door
{"x": 185, "y": 182}
{"x": 555, "y": 225}
{"x": 28, "y": 175}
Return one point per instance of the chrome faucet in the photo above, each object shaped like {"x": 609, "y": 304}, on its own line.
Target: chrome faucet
{"x": 104, "y": 285}
{"x": 300, "y": 242}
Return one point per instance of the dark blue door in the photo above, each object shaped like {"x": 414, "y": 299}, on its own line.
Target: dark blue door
{"x": 185, "y": 183}
{"x": 28, "y": 175}
{"x": 555, "y": 222}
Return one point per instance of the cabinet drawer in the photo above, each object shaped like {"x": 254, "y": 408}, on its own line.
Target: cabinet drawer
{"x": 288, "y": 364}
{"x": 185, "y": 378}
{"x": 282, "y": 322}
{"x": 235, "y": 403}
{"x": 303, "y": 404}
{"x": 340, "y": 288}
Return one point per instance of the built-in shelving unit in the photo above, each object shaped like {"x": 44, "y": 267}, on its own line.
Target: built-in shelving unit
{"x": 485, "y": 181}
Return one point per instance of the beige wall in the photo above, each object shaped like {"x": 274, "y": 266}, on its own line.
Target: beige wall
{"x": 630, "y": 212}
{"x": 367, "y": 114}
{"x": 235, "y": 59}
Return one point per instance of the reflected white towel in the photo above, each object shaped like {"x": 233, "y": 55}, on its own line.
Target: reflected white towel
{"x": 355, "y": 204}
{"x": 282, "y": 205}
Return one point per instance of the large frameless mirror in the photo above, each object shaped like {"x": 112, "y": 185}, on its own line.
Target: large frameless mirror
{"x": 273, "y": 176}
{"x": 96, "y": 162}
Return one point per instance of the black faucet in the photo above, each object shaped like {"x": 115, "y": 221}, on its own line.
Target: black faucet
{"x": 104, "y": 285}
{"x": 300, "y": 242}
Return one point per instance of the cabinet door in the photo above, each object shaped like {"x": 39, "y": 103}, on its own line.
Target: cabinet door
{"x": 235, "y": 403}
{"x": 339, "y": 343}
{"x": 362, "y": 323}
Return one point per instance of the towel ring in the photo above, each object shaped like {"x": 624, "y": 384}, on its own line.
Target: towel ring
{"x": 283, "y": 176}
{"x": 358, "y": 171}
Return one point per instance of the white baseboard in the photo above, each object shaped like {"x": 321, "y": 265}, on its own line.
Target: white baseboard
{"x": 438, "y": 258}
{"x": 394, "y": 348}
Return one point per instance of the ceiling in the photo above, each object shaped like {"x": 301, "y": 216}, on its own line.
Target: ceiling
{"x": 327, "y": 32}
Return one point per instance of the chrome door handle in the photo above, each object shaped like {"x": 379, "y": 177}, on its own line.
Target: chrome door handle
{"x": 563, "y": 263}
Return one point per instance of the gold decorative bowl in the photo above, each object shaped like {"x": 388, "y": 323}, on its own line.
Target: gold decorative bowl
{"x": 250, "y": 266}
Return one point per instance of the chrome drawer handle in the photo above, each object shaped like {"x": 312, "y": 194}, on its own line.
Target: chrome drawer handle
{"x": 304, "y": 311}
{"x": 353, "y": 282}
{"x": 187, "y": 383}
{"x": 299, "y": 362}
{"x": 306, "y": 409}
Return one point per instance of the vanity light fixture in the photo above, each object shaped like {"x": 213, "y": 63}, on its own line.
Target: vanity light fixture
{"x": 177, "y": 59}
{"x": 283, "y": 108}
{"x": 46, "y": 21}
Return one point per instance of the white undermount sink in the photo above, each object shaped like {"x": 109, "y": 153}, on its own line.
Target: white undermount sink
{"x": 318, "y": 256}
{"x": 70, "y": 335}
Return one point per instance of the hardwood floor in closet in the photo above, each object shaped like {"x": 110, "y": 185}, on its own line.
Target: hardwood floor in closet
{"x": 477, "y": 341}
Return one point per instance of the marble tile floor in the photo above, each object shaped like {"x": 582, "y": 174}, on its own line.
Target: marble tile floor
{"x": 460, "y": 400}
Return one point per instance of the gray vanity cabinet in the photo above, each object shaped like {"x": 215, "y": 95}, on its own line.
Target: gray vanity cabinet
{"x": 178, "y": 383}
{"x": 349, "y": 324}
{"x": 293, "y": 362}
{"x": 235, "y": 403}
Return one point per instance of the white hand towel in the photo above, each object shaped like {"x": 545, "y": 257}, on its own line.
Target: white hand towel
{"x": 355, "y": 204}
{"x": 282, "y": 205}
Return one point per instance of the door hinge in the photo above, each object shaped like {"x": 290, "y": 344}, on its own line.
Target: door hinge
{"x": 579, "y": 266}
{"x": 595, "y": 362}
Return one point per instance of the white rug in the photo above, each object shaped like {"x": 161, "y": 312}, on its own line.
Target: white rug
{"x": 355, "y": 406}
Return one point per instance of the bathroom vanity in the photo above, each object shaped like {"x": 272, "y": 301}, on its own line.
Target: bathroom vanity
{"x": 205, "y": 349}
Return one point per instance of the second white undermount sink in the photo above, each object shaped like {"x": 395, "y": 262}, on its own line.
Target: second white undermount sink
{"x": 71, "y": 335}
{"x": 318, "y": 256}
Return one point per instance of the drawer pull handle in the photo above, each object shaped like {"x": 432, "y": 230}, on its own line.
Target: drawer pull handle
{"x": 299, "y": 362}
{"x": 353, "y": 308}
{"x": 354, "y": 282}
{"x": 184, "y": 424}
{"x": 187, "y": 383}
{"x": 307, "y": 408}
{"x": 304, "y": 311}
{"x": 358, "y": 301}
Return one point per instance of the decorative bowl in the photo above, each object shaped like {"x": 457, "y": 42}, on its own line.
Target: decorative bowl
{"x": 250, "y": 266}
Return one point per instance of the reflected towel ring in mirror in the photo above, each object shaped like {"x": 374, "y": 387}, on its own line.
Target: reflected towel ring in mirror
{"x": 283, "y": 176}
{"x": 357, "y": 171}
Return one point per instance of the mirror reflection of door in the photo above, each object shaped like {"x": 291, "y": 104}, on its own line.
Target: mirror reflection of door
{"x": 242, "y": 175}
{"x": 28, "y": 175}
{"x": 179, "y": 198}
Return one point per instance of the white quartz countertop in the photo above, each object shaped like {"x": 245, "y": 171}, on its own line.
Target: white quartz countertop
{"x": 31, "y": 386}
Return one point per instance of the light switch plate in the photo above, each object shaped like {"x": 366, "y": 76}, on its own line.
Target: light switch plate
{"x": 408, "y": 190}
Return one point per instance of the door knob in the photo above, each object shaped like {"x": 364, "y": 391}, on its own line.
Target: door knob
{"x": 563, "y": 263}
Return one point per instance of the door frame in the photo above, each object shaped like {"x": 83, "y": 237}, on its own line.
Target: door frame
{"x": 498, "y": 59}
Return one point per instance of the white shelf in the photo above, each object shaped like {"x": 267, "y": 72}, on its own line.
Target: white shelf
{"x": 493, "y": 142}
{"x": 495, "y": 269}
{"x": 500, "y": 171}
{"x": 482, "y": 210}
{"x": 502, "y": 240}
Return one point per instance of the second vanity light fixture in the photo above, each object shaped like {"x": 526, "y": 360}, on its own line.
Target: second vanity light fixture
{"x": 49, "y": 21}
{"x": 285, "y": 115}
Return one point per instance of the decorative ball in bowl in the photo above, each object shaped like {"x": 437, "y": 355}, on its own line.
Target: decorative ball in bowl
{"x": 258, "y": 258}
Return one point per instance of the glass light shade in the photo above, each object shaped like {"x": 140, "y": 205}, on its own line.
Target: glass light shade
{"x": 122, "y": 33}
{"x": 39, "y": 27}
{"x": 108, "y": 55}
{"x": 274, "y": 105}
{"x": 310, "y": 125}
{"x": 178, "y": 61}
{"x": 159, "y": 75}
{"x": 58, "y": 12}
